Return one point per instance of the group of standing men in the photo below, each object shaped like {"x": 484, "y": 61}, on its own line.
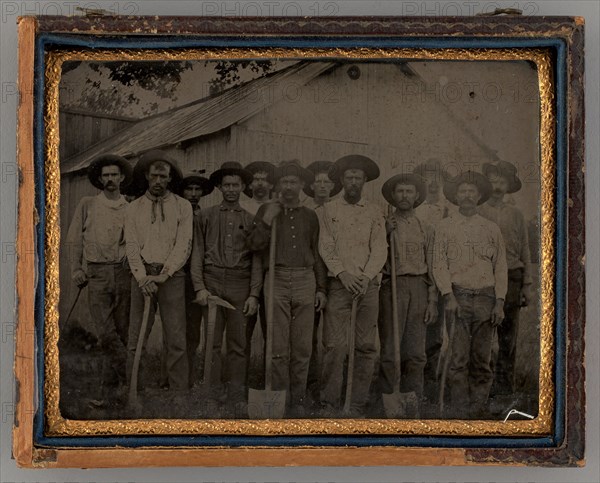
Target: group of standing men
{"x": 466, "y": 267}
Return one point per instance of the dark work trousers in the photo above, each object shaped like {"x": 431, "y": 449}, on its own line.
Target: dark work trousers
{"x": 262, "y": 316}
{"x": 434, "y": 340}
{"x": 505, "y": 354}
{"x": 314, "y": 368}
{"x": 469, "y": 374}
{"x": 412, "y": 295}
{"x": 335, "y": 342}
{"x": 232, "y": 285}
{"x": 171, "y": 303}
{"x": 109, "y": 298}
{"x": 293, "y": 318}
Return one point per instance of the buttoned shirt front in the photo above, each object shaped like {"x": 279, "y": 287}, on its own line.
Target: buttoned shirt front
{"x": 158, "y": 230}
{"x": 469, "y": 252}
{"x": 353, "y": 238}
{"x": 96, "y": 233}
{"x": 514, "y": 232}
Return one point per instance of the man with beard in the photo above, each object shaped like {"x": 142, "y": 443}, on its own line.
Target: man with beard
{"x": 96, "y": 248}
{"x": 416, "y": 292}
{"x": 504, "y": 179}
{"x": 222, "y": 265}
{"x": 300, "y": 280}
{"x": 259, "y": 190}
{"x": 469, "y": 269}
{"x": 354, "y": 247}
{"x": 158, "y": 232}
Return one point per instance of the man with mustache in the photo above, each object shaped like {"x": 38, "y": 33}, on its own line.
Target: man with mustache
{"x": 416, "y": 293}
{"x": 469, "y": 268}
{"x": 504, "y": 179}
{"x": 96, "y": 249}
{"x": 300, "y": 280}
{"x": 354, "y": 247}
{"x": 259, "y": 190}
{"x": 158, "y": 232}
{"x": 222, "y": 265}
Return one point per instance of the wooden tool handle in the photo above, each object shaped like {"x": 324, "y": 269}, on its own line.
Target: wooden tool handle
{"x": 270, "y": 290}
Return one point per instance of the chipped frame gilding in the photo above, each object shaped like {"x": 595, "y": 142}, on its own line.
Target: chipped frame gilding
{"x": 56, "y": 425}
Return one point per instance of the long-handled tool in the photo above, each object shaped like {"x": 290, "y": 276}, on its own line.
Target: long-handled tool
{"x": 133, "y": 385}
{"x": 268, "y": 404}
{"x": 397, "y": 404}
{"x": 351, "y": 344}
{"x": 213, "y": 303}
{"x": 80, "y": 287}
{"x": 452, "y": 323}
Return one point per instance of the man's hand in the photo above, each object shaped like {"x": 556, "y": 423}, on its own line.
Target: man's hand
{"x": 149, "y": 288}
{"x": 350, "y": 283}
{"x": 320, "y": 301}
{"x": 364, "y": 284}
{"x": 80, "y": 278}
{"x": 391, "y": 223}
{"x": 250, "y": 306}
{"x": 498, "y": 313}
{"x": 451, "y": 308}
{"x": 202, "y": 297}
{"x": 431, "y": 312}
{"x": 525, "y": 296}
{"x": 272, "y": 209}
{"x": 160, "y": 279}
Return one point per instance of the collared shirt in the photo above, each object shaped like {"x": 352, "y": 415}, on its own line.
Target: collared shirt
{"x": 514, "y": 231}
{"x": 353, "y": 238}
{"x": 96, "y": 233}
{"x": 158, "y": 230}
{"x": 469, "y": 252}
{"x": 311, "y": 203}
{"x": 220, "y": 240}
{"x": 433, "y": 213}
{"x": 297, "y": 241}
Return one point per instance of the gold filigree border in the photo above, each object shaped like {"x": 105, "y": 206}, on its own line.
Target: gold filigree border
{"x": 56, "y": 425}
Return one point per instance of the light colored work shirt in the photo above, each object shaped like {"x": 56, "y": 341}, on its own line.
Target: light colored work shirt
{"x": 96, "y": 233}
{"x": 352, "y": 238}
{"x": 158, "y": 231}
{"x": 514, "y": 232}
{"x": 433, "y": 213}
{"x": 469, "y": 252}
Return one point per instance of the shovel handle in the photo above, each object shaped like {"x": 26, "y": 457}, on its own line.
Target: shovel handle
{"x": 270, "y": 301}
{"x": 351, "y": 343}
{"x": 138, "y": 352}
{"x": 395, "y": 321}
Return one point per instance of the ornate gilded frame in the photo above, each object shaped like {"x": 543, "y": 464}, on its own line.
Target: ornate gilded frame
{"x": 43, "y": 438}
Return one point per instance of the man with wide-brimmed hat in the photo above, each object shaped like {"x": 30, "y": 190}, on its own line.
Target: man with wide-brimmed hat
{"x": 354, "y": 247}
{"x": 260, "y": 188}
{"x": 158, "y": 233}
{"x": 300, "y": 280}
{"x": 469, "y": 268}
{"x": 504, "y": 179}
{"x": 221, "y": 265}
{"x": 96, "y": 251}
{"x": 416, "y": 293}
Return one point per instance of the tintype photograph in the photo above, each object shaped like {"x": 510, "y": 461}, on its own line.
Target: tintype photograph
{"x": 292, "y": 238}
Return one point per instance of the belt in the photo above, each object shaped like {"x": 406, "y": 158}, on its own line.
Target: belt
{"x": 474, "y": 291}
{"x": 292, "y": 269}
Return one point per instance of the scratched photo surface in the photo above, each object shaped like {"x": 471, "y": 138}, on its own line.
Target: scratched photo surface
{"x": 299, "y": 239}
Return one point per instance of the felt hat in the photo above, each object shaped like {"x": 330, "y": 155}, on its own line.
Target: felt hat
{"x": 409, "y": 179}
{"x": 140, "y": 183}
{"x": 316, "y": 168}
{"x": 257, "y": 167}
{"x": 194, "y": 177}
{"x": 293, "y": 168}
{"x": 354, "y": 161}
{"x": 483, "y": 185}
{"x": 231, "y": 168}
{"x": 95, "y": 169}
{"x": 506, "y": 170}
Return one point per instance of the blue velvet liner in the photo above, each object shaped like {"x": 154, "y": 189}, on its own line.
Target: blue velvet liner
{"x": 49, "y": 41}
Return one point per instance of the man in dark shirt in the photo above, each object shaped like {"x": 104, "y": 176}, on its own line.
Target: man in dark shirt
{"x": 300, "y": 280}
{"x": 222, "y": 265}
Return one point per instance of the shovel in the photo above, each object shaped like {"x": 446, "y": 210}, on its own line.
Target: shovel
{"x": 268, "y": 404}
{"x": 213, "y": 303}
{"x": 351, "y": 343}
{"x": 397, "y": 405}
{"x": 133, "y": 399}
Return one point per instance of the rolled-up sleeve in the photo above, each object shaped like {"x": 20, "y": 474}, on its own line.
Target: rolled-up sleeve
{"x": 327, "y": 247}
{"x": 378, "y": 246}
{"x": 132, "y": 243}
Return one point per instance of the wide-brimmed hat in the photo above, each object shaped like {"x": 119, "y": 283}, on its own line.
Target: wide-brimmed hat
{"x": 140, "y": 183}
{"x": 506, "y": 170}
{"x": 194, "y": 177}
{"x": 471, "y": 177}
{"x": 409, "y": 179}
{"x": 293, "y": 168}
{"x": 432, "y": 167}
{"x": 322, "y": 167}
{"x": 231, "y": 168}
{"x": 257, "y": 167}
{"x": 354, "y": 161}
{"x": 95, "y": 169}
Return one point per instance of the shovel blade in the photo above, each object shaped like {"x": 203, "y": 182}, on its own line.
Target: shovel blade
{"x": 263, "y": 404}
{"x": 399, "y": 405}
